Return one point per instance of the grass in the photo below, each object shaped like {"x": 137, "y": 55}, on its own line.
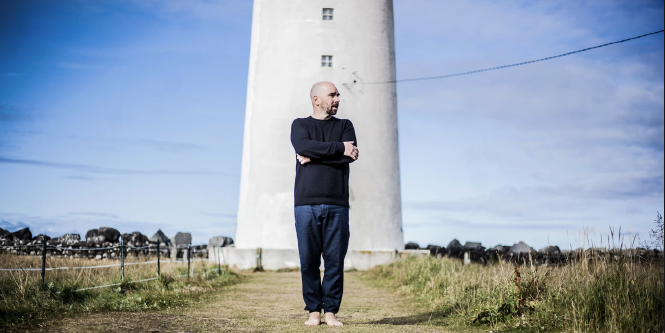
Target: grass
{"x": 25, "y": 301}
{"x": 602, "y": 295}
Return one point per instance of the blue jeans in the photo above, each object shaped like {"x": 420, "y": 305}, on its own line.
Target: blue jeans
{"x": 322, "y": 230}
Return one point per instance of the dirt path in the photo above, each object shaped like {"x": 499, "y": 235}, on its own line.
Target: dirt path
{"x": 264, "y": 302}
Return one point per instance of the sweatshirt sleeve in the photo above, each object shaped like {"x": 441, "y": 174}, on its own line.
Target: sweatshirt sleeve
{"x": 349, "y": 134}
{"x": 305, "y": 146}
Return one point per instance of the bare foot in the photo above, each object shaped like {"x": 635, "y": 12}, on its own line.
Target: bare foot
{"x": 331, "y": 320}
{"x": 314, "y": 319}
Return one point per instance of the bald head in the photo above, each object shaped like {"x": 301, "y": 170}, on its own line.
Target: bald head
{"x": 325, "y": 100}
{"x": 321, "y": 89}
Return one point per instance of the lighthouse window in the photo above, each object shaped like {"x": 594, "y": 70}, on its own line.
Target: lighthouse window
{"x": 328, "y": 14}
{"x": 326, "y": 61}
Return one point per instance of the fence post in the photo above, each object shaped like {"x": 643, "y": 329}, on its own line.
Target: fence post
{"x": 219, "y": 261}
{"x": 188, "y": 260}
{"x": 259, "y": 259}
{"x": 44, "y": 261}
{"x": 158, "y": 268}
{"x": 122, "y": 258}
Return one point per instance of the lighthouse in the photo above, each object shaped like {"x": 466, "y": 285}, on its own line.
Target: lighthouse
{"x": 294, "y": 44}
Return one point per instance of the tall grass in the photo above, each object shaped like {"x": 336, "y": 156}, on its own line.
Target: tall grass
{"x": 589, "y": 296}
{"x": 25, "y": 300}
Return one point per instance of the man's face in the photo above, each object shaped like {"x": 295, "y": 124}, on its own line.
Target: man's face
{"x": 329, "y": 101}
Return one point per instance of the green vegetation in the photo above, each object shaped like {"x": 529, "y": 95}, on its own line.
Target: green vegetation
{"x": 25, "y": 301}
{"x": 599, "y": 295}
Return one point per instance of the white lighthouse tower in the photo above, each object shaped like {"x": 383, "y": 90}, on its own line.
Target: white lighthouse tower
{"x": 296, "y": 43}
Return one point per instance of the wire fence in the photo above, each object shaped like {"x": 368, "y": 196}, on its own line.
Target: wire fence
{"x": 188, "y": 251}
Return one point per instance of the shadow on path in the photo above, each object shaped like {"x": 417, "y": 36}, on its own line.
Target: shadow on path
{"x": 409, "y": 320}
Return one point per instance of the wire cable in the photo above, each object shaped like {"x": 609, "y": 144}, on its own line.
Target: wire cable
{"x": 80, "y": 267}
{"x": 512, "y": 65}
{"x": 82, "y": 248}
{"x": 19, "y": 246}
{"x": 85, "y": 248}
{"x": 114, "y": 284}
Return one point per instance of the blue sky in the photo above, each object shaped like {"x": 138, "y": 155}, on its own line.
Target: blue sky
{"x": 130, "y": 114}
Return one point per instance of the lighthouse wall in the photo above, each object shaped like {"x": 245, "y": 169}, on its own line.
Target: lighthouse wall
{"x": 287, "y": 42}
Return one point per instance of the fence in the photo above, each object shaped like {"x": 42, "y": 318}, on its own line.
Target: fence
{"x": 123, "y": 250}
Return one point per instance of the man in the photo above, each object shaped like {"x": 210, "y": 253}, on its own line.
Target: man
{"x": 324, "y": 147}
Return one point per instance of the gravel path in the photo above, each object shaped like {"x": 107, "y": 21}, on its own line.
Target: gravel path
{"x": 264, "y": 302}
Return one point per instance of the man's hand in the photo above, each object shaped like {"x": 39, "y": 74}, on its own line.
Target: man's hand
{"x": 303, "y": 159}
{"x": 350, "y": 150}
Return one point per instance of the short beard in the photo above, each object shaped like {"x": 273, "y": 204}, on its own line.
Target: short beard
{"x": 330, "y": 111}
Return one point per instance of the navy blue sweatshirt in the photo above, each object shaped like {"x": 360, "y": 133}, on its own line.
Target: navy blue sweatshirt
{"x": 324, "y": 180}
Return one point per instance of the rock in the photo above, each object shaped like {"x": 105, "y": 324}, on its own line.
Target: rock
{"x": 126, "y": 238}
{"x": 647, "y": 254}
{"x": 181, "y": 241}
{"x": 94, "y": 240}
{"x": 40, "y": 238}
{"x": 412, "y": 246}
{"x": 22, "y": 234}
{"x": 200, "y": 251}
{"x": 181, "y": 238}
{"x": 476, "y": 251}
{"x": 433, "y": 250}
{"x": 498, "y": 251}
{"x": 521, "y": 248}
{"x": 522, "y": 253}
{"x": 91, "y": 233}
{"x": 473, "y": 246}
{"x": 4, "y": 233}
{"x": 550, "y": 250}
{"x": 139, "y": 238}
{"x": 135, "y": 239}
{"x": 550, "y": 255}
{"x": 455, "y": 248}
{"x": 221, "y": 241}
{"x": 110, "y": 234}
{"x": 159, "y": 237}
{"x": 502, "y": 249}
{"x": 67, "y": 240}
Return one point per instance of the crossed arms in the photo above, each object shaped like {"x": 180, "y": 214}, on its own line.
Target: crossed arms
{"x": 308, "y": 150}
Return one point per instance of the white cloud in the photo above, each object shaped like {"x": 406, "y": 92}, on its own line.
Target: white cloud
{"x": 572, "y": 139}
